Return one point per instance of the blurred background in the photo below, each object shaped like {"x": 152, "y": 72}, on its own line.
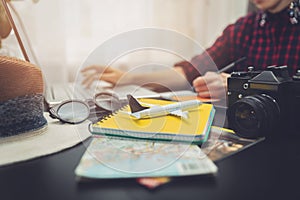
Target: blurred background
{"x": 64, "y": 32}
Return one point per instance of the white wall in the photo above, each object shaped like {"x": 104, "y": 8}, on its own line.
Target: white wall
{"x": 64, "y": 32}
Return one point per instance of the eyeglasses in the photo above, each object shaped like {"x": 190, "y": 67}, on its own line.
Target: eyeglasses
{"x": 77, "y": 111}
{"x": 71, "y": 111}
{"x": 109, "y": 101}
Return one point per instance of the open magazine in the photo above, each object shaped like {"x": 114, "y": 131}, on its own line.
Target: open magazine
{"x": 224, "y": 142}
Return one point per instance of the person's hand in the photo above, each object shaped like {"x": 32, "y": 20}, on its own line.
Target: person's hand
{"x": 96, "y": 72}
{"x": 211, "y": 85}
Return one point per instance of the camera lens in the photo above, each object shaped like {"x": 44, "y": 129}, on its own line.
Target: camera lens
{"x": 253, "y": 116}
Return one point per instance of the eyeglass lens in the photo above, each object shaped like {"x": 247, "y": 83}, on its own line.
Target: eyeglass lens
{"x": 108, "y": 101}
{"x": 73, "y": 112}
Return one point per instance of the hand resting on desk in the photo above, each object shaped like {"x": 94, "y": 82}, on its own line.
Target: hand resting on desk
{"x": 97, "y": 72}
{"x": 167, "y": 79}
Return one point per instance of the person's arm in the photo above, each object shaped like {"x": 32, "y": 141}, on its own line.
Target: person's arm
{"x": 161, "y": 80}
{"x": 201, "y": 72}
{"x": 183, "y": 74}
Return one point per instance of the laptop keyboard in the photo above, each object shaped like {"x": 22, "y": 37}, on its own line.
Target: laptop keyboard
{"x": 58, "y": 93}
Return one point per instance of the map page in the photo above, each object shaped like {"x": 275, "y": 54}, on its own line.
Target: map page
{"x": 114, "y": 158}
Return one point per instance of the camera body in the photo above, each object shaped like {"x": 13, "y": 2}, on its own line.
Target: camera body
{"x": 263, "y": 102}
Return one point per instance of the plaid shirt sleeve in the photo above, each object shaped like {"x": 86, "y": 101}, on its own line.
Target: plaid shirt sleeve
{"x": 220, "y": 54}
{"x": 275, "y": 43}
{"x": 212, "y": 59}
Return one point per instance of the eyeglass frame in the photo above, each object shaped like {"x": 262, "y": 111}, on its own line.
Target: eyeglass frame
{"x": 53, "y": 111}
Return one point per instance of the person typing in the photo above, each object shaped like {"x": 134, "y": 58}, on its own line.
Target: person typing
{"x": 267, "y": 37}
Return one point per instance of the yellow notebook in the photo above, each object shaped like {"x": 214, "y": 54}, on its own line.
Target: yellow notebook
{"x": 195, "y": 129}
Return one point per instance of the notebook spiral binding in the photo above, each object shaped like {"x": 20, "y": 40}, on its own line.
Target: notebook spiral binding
{"x": 109, "y": 115}
{"x": 105, "y": 117}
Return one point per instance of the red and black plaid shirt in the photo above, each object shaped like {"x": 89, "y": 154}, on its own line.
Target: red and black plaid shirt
{"x": 275, "y": 43}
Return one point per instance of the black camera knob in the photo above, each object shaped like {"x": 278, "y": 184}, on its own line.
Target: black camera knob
{"x": 296, "y": 77}
{"x": 250, "y": 68}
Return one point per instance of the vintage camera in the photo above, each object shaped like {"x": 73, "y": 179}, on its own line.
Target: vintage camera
{"x": 264, "y": 102}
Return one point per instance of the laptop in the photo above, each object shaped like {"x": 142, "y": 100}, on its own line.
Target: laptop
{"x": 57, "y": 93}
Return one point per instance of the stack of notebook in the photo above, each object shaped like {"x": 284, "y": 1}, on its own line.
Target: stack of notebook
{"x": 195, "y": 129}
{"x": 112, "y": 157}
